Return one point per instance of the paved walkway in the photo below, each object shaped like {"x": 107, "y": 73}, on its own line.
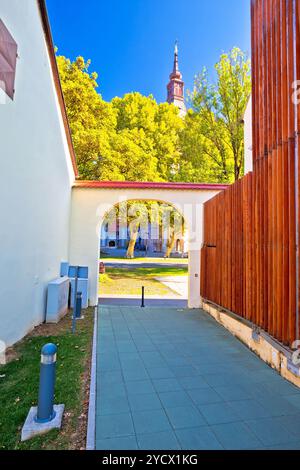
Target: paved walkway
{"x": 178, "y": 284}
{"x": 174, "y": 379}
{"x": 135, "y": 301}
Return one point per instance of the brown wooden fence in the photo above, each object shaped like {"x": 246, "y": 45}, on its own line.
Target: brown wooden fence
{"x": 250, "y": 261}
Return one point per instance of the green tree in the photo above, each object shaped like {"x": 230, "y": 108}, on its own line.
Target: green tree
{"x": 137, "y": 215}
{"x": 217, "y": 122}
{"x": 92, "y": 120}
{"x": 155, "y": 129}
{"x": 131, "y": 138}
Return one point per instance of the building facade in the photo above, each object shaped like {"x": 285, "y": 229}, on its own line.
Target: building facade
{"x": 37, "y": 166}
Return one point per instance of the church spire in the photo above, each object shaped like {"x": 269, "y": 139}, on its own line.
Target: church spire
{"x": 176, "y": 67}
{"x": 176, "y": 86}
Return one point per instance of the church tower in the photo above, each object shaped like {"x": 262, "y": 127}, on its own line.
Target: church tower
{"x": 176, "y": 86}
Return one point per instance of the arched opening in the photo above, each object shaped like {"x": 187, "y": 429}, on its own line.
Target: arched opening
{"x": 144, "y": 243}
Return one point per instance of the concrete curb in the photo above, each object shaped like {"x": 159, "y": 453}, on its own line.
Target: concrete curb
{"x": 91, "y": 425}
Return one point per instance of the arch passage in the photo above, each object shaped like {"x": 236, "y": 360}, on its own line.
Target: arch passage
{"x": 92, "y": 200}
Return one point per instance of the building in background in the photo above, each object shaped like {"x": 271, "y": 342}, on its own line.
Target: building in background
{"x": 151, "y": 240}
{"x": 176, "y": 86}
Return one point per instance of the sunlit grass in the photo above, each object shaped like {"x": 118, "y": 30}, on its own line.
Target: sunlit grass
{"x": 123, "y": 281}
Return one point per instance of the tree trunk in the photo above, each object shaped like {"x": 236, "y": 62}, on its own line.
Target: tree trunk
{"x": 134, "y": 229}
{"x": 170, "y": 245}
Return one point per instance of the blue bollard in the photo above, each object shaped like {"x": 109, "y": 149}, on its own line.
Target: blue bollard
{"x": 45, "y": 411}
{"x": 78, "y": 304}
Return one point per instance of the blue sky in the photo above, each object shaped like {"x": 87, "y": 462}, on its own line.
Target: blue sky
{"x": 131, "y": 42}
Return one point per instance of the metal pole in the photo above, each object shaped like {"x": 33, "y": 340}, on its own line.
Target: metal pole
{"x": 78, "y": 305}
{"x": 143, "y": 297}
{"x": 45, "y": 411}
{"x": 74, "y": 300}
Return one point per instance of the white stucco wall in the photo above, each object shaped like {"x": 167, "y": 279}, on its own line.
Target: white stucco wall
{"x": 89, "y": 207}
{"x": 36, "y": 178}
{"x": 248, "y": 137}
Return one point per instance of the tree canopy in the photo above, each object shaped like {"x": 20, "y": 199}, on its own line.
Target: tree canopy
{"x": 212, "y": 143}
{"x": 135, "y": 138}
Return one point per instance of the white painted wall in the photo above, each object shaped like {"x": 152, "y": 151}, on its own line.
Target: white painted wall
{"x": 248, "y": 137}
{"x": 89, "y": 207}
{"x": 36, "y": 178}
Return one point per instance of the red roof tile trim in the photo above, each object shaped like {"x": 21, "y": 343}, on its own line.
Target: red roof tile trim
{"x": 49, "y": 41}
{"x": 149, "y": 185}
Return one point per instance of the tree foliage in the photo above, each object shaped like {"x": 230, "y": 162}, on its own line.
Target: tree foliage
{"x": 135, "y": 138}
{"x": 215, "y": 127}
{"x": 132, "y": 138}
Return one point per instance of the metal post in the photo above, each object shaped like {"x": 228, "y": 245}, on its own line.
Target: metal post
{"x": 74, "y": 300}
{"x": 78, "y": 305}
{"x": 143, "y": 297}
{"x": 45, "y": 411}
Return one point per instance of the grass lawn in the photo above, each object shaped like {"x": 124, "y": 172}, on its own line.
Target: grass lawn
{"x": 121, "y": 259}
{"x": 19, "y": 385}
{"x": 123, "y": 281}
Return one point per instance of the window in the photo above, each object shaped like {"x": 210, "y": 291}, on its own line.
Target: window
{"x": 8, "y": 61}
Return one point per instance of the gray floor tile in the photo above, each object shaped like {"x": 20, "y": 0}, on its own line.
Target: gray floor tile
{"x": 289, "y": 446}
{"x": 174, "y": 399}
{"x": 118, "y": 443}
{"x": 138, "y": 387}
{"x": 152, "y": 359}
{"x": 277, "y": 405}
{"x": 291, "y": 423}
{"x": 191, "y": 383}
{"x": 167, "y": 385}
{"x": 279, "y": 387}
{"x": 218, "y": 380}
{"x": 236, "y": 436}
{"x": 249, "y": 409}
{"x": 115, "y": 390}
{"x": 294, "y": 400}
{"x": 144, "y": 402}
{"x": 160, "y": 372}
{"x": 177, "y": 361}
{"x": 110, "y": 404}
{"x": 184, "y": 371}
{"x": 270, "y": 432}
{"x": 111, "y": 426}
{"x": 148, "y": 422}
{"x": 233, "y": 392}
{"x": 159, "y": 441}
{"x": 198, "y": 439}
{"x": 218, "y": 413}
{"x": 135, "y": 374}
{"x": 113, "y": 378}
{"x": 204, "y": 396}
{"x": 185, "y": 417}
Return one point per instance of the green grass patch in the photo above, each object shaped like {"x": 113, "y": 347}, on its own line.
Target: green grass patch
{"x": 124, "y": 281}
{"x": 147, "y": 273}
{"x": 19, "y": 381}
{"x": 110, "y": 259}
